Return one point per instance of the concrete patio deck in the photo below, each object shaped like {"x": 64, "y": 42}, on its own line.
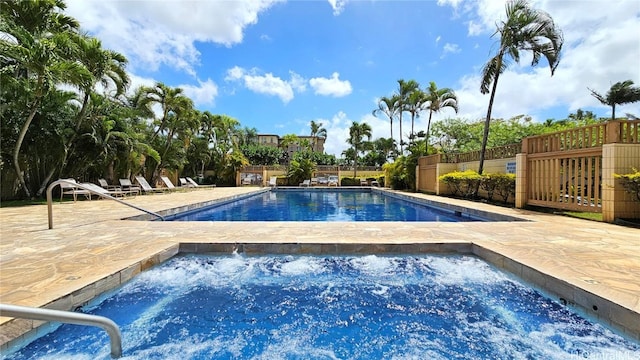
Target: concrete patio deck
{"x": 91, "y": 250}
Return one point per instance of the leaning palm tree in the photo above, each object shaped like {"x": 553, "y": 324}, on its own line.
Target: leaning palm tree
{"x": 386, "y": 106}
{"x": 524, "y": 29}
{"x": 356, "y": 134}
{"x": 438, "y": 99}
{"x": 622, "y": 92}
{"x": 405, "y": 88}
{"x": 415, "y": 103}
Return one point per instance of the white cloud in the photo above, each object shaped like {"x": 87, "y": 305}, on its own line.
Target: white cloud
{"x": 450, "y": 49}
{"x": 268, "y": 84}
{"x": 202, "y": 94}
{"x": 438, "y": 39}
{"x": 332, "y": 86}
{"x": 337, "y": 6}
{"x": 152, "y": 33}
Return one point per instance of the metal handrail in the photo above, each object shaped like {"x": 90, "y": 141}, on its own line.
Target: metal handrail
{"x": 107, "y": 196}
{"x": 69, "y": 317}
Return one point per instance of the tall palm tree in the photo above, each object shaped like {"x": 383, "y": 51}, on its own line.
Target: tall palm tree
{"x": 317, "y": 131}
{"x": 525, "y": 29}
{"x": 415, "y": 103}
{"x": 39, "y": 48}
{"x": 356, "y": 134}
{"x": 622, "y": 92}
{"x": 386, "y": 106}
{"x": 405, "y": 88}
{"x": 438, "y": 99}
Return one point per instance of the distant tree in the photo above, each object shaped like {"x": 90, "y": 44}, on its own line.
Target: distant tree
{"x": 437, "y": 100}
{"x": 405, "y": 88}
{"x": 386, "y": 106}
{"x": 525, "y": 29}
{"x": 357, "y": 133}
{"x": 317, "y": 131}
{"x": 622, "y": 92}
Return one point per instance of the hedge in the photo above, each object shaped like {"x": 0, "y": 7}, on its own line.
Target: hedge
{"x": 466, "y": 183}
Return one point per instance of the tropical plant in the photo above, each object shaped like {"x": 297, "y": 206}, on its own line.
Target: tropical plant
{"x": 622, "y": 92}
{"x": 525, "y": 29}
{"x": 357, "y": 133}
{"x": 405, "y": 88}
{"x": 300, "y": 170}
{"x": 317, "y": 131}
{"x": 387, "y": 106}
{"x": 415, "y": 104}
{"x": 438, "y": 99}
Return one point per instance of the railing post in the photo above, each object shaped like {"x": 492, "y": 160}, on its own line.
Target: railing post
{"x": 612, "y": 132}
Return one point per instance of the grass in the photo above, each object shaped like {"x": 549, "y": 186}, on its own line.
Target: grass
{"x": 582, "y": 215}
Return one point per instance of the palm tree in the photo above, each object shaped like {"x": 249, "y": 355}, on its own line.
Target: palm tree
{"x": 317, "y": 131}
{"x": 415, "y": 102}
{"x": 356, "y": 134}
{"x": 524, "y": 29}
{"x": 386, "y": 106}
{"x": 620, "y": 93}
{"x": 405, "y": 88}
{"x": 40, "y": 50}
{"x": 438, "y": 99}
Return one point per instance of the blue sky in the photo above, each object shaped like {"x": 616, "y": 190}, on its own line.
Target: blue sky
{"x": 278, "y": 65}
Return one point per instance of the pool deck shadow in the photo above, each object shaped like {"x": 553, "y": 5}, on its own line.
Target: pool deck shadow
{"x": 90, "y": 250}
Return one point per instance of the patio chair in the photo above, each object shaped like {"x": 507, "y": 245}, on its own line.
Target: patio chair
{"x": 196, "y": 185}
{"x": 112, "y": 190}
{"x": 273, "y": 181}
{"x": 333, "y": 180}
{"x": 167, "y": 182}
{"x": 68, "y": 188}
{"x": 314, "y": 181}
{"x": 146, "y": 187}
{"x": 323, "y": 181}
{"x": 305, "y": 183}
{"x": 364, "y": 182}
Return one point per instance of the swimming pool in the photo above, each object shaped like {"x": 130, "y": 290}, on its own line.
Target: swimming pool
{"x": 342, "y": 307}
{"x": 322, "y": 205}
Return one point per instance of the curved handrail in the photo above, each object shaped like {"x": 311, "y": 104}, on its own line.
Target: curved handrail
{"x": 69, "y": 317}
{"x": 107, "y": 196}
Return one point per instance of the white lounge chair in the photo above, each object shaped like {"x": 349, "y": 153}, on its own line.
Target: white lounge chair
{"x": 273, "y": 181}
{"x": 167, "y": 182}
{"x": 196, "y": 185}
{"x": 333, "y": 180}
{"x": 69, "y": 188}
{"x": 314, "y": 181}
{"x": 364, "y": 182}
{"x": 126, "y": 185}
{"x": 145, "y": 185}
{"x": 305, "y": 183}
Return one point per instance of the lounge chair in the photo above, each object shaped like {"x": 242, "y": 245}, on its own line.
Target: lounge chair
{"x": 314, "y": 181}
{"x": 184, "y": 183}
{"x": 364, "y": 182}
{"x": 323, "y": 181}
{"x": 273, "y": 181}
{"x": 305, "y": 183}
{"x": 167, "y": 182}
{"x": 333, "y": 180}
{"x": 112, "y": 190}
{"x": 146, "y": 187}
{"x": 126, "y": 185}
{"x": 69, "y": 188}
{"x": 196, "y": 185}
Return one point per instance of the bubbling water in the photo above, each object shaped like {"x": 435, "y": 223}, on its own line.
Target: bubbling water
{"x": 344, "y": 307}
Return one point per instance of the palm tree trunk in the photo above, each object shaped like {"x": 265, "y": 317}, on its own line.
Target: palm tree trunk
{"x": 485, "y": 135}
{"x": 613, "y": 112}
{"x": 413, "y": 115}
{"x": 401, "y": 148}
{"x": 21, "y": 135}
{"x": 426, "y": 136}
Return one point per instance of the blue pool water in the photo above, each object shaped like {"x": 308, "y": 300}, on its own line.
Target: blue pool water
{"x": 346, "y": 307}
{"x": 323, "y": 205}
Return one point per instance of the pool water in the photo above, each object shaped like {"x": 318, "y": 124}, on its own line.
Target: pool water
{"x": 321, "y": 205}
{"x": 342, "y": 307}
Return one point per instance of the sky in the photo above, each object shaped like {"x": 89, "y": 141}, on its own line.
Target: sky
{"x": 278, "y": 65}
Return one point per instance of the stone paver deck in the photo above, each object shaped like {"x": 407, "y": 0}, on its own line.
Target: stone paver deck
{"x": 90, "y": 250}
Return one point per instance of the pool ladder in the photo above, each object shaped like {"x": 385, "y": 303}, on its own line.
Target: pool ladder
{"x": 68, "y": 317}
{"x": 91, "y": 191}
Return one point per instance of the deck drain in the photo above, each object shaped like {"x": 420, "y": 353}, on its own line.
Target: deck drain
{"x": 73, "y": 277}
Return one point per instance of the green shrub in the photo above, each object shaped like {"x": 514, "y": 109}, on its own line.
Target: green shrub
{"x": 347, "y": 181}
{"x": 630, "y": 182}
{"x": 462, "y": 183}
{"x": 502, "y": 184}
{"x": 398, "y": 176}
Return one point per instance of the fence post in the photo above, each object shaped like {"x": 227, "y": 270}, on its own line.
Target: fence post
{"x": 521, "y": 180}
{"x": 612, "y": 132}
